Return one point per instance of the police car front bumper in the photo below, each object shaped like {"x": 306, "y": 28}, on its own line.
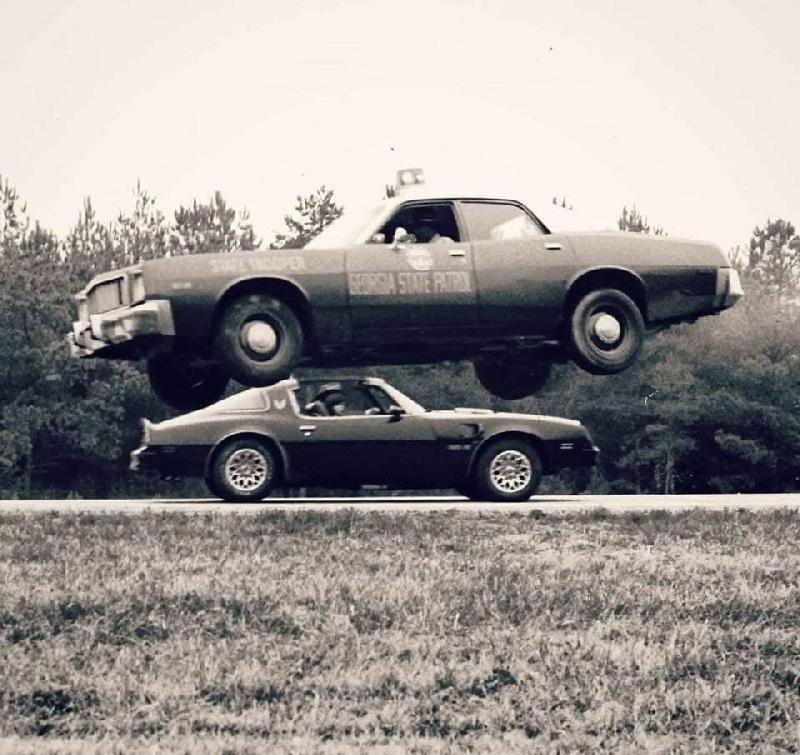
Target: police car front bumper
{"x": 121, "y": 326}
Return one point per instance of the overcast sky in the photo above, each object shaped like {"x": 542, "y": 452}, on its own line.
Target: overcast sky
{"x": 688, "y": 109}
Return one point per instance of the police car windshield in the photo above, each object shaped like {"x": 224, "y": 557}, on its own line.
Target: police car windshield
{"x": 351, "y": 228}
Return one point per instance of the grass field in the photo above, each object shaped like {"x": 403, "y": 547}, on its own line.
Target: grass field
{"x": 399, "y": 633}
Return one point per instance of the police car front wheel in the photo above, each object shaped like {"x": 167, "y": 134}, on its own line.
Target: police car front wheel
{"x": 259, "y": 339}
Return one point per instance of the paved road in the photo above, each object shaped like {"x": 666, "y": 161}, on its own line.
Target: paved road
{"x": 555, "y": 504}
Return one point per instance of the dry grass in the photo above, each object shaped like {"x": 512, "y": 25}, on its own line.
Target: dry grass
{"x": 395, "y": 633}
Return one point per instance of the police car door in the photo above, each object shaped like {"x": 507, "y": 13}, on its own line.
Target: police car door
{"x": 423, "y": 285}
{"x": 521, "y": 270}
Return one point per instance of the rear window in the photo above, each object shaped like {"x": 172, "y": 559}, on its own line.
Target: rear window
{"x": 498, "y": 221}
{"x": 249, "y": 399}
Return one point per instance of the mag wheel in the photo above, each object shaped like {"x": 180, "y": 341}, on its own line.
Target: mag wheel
{"x": 508, "y": 470}
{"x": 244, "y": 469}
{"x": 606, "y": 331}
{"x": 259, "y": 339}
{"x": 512, "y": 380}
{"x": 183, "y": 386}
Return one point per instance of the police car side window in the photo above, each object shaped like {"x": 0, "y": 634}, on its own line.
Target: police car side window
{"x": 498, "y": 221}
{"x": 426, "y": 223}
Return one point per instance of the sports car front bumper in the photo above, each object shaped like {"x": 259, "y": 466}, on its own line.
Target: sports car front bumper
{"x": 120, "y": 326}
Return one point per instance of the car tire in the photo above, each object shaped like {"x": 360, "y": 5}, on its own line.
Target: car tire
{"x": 606, "y": 332}
{"x": 507, "y": 469}
{"x": 510, "y": 380}
{"x": 259, "y": 339}
{"x": 242, "y": 470}
{"x": 183, "y": 386}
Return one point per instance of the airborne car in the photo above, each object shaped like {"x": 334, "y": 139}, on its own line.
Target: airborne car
{"x": 419, "y": 277}
{"x": 357, "y": 431}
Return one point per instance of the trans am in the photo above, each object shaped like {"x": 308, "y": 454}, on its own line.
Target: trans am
{"x": 416, "y": 278}
{"x": 357, "y": 431}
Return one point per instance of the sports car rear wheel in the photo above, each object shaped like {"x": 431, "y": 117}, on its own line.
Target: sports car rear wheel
{"x": 508, "y": 469}
{"x": 183, "y": 386}
{"x": 511, "y": 380}
{"x": 259, "y": 339}
{"x": 244, "y": 469}
{"x": 606, "y": 331}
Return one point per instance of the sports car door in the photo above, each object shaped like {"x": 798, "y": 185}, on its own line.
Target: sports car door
{"x": 423, "y": 285}
{"x": 378, "y": 449}
{"x": 521, "y": 271}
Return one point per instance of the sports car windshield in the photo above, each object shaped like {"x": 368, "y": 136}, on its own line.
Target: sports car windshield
{"x": 350, "y": 228}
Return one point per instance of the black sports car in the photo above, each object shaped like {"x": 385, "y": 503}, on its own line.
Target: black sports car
{"x": 359, "y": 431}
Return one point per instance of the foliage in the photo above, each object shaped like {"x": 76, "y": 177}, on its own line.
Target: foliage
{"x": 632, "y": 220}
{"x": 312, "y": 214}
{"x": 376, "y": 632}
{"x": 709, "y": 407}
{"x": 775, "y": 255}
{"x": 211, "y": 227}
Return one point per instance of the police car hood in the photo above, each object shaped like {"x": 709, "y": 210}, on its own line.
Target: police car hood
{"x": 466, "y": 413}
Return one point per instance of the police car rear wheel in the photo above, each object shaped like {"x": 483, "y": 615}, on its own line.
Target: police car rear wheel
{"x": 508, "y": 469}
{"x": 242, "y": 470}
{"x": 259, "y": 339}
{"x": 183, "y": 386}
{"x": 510, "y": 380}
{"x": 606, "y": 331}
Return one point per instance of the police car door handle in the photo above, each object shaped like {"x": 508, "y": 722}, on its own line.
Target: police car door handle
{"x": 457, "y": 253}
{"x": 552, "y": 246}
{"x": 307, "y": 429}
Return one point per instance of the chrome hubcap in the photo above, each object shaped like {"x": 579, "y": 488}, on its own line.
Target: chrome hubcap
{"x": 246, "y": 470}
{"x": 606, "y": 328}
{"x": 260, "y": 337}
{"x": 510, "y": 471}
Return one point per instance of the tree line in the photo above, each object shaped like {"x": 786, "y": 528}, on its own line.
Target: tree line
{"x": 709, "y": 407}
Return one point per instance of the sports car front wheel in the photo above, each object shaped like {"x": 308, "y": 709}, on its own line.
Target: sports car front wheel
{"x": 508, "y": 469}
{"x": 184, "y": 386}
{"x": 511, "y": 380}
{"x": 606, "y": 331}
{"x": 244, "y": 469}
{"x": 259, "y": 339}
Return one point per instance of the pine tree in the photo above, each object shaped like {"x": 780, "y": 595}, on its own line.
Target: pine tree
{"x": 774, "y": 258}
{"x": 632, "y": 220}
{"x": 211, "y": 227}
{"x": 312, "y": 214}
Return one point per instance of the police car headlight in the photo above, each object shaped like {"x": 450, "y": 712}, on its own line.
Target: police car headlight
{"x": 138, "y": 293}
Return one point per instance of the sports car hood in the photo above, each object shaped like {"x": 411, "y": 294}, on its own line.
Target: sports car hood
{"x": 466, "y": 413}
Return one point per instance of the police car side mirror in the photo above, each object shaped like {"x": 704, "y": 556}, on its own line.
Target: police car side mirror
{"x": 401, "y": 236}
{"x": 395, "y": 413}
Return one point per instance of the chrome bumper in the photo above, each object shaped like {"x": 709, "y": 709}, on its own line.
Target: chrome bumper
{"x": 120, "y": 325}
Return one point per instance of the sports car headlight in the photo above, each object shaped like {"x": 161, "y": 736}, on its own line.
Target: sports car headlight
{"x": 138, "y": 293}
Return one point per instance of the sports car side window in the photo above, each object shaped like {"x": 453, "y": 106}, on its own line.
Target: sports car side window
{"x": 427, "y": 223}
{"x": 498, "y": 221}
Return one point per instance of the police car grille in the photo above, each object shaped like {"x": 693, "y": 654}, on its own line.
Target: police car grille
{"x": 106, "y": 296}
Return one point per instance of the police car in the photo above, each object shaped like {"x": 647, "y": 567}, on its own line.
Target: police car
{"x": 418, "y": 277}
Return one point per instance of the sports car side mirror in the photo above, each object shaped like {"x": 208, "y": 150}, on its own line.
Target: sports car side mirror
{"x": 401, "y": 236}
{"x": 395, "y": 413}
